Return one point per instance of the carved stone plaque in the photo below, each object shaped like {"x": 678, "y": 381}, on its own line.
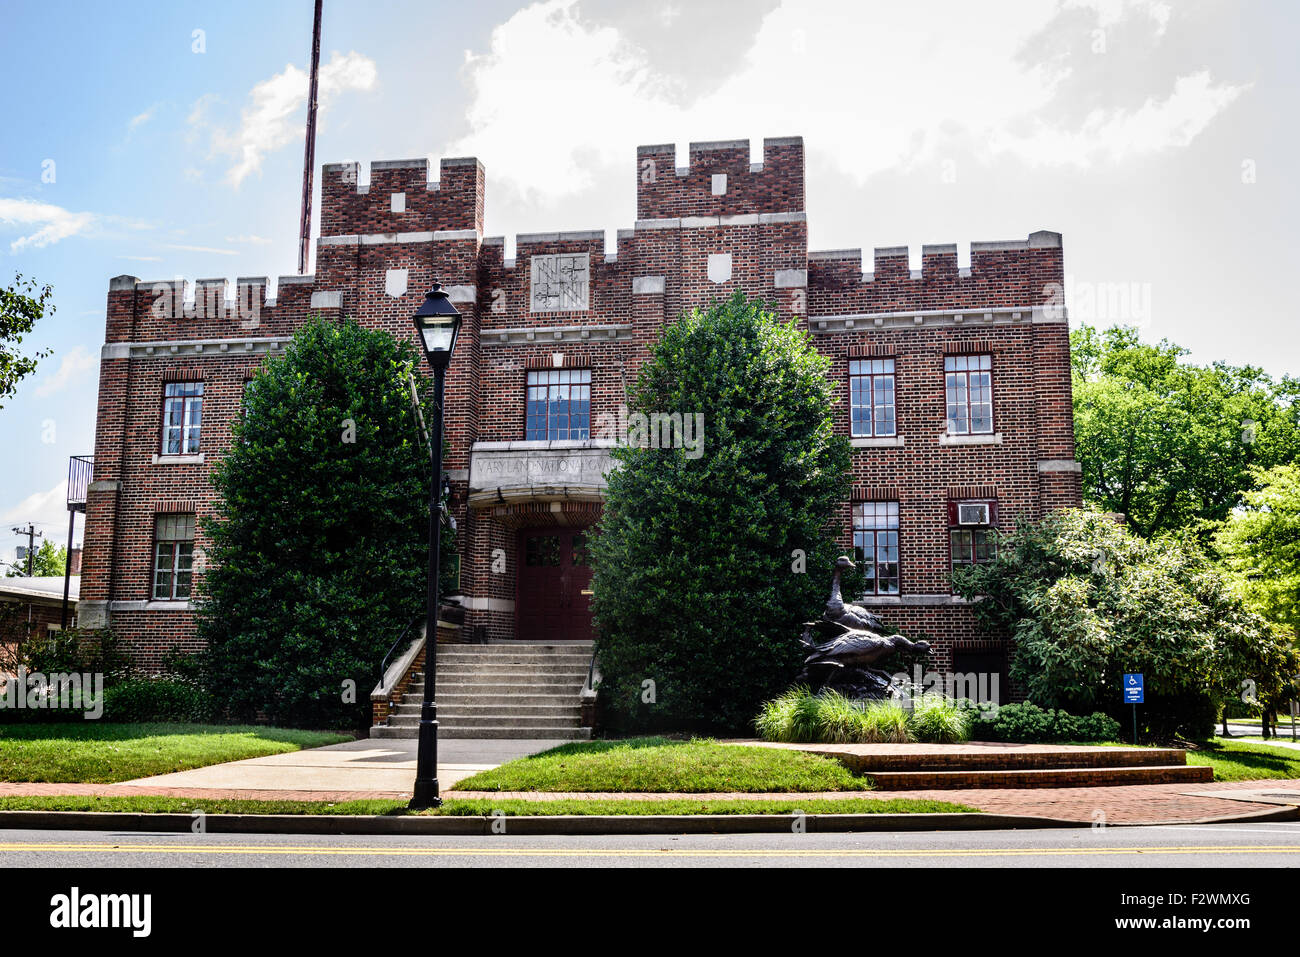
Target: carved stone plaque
{"x": 560, "y": 282}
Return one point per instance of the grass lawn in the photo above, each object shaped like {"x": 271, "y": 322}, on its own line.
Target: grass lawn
{"x": 1247, "y": 760}
{"x": 94, "y": 752}
{"x": 661, "y": 764}
{"x": 484, "y": 808}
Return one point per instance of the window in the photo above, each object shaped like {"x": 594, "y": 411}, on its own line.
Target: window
{"x": 173, "y": 561}
{"x": 875, "y": 545}
{"x": 871, "y": 397}
{"x": 972, "y": 537}
{"x": 249, "y": 385}
{"x": 968, "y": 382}
{"x": 182, "y": 417}
{"x": 541, "y": 550}
{"x": 558, "y": 405}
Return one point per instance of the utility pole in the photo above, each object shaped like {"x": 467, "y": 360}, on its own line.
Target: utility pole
{"x": 32, "y": 534}
{"x": 309, "y": 153}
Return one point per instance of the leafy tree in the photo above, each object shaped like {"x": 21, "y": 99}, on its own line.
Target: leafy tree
{"x": 22, "y": 304}
{"x": 318, "y": 557}
{"x": 49, "y": 560}
{"x": 1169, "y": 444}
{"x": 698, "y": 581}
{"x": 1260, "y": 544}
{"x": 1086, "y": 600}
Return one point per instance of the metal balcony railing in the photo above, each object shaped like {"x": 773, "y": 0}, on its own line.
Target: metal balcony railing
{"x": 80, "y": 470}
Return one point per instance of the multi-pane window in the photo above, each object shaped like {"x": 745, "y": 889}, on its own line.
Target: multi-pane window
{"x": 875, "y": 545}
{"x": 972, "y": 536}
{"x": 541, "y": 550}
{"x": 871, "y": 397}
{"x": 968, "y": 382}
{"x": 173, "y": 560}
{"x": 182, "y": 417}
{"x": 559, "y": 404}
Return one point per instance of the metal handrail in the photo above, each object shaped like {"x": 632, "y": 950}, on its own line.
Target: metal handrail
{"x": 383, "y": 667}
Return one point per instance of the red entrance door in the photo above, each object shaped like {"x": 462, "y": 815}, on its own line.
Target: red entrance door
{"x": 553, "y": 574}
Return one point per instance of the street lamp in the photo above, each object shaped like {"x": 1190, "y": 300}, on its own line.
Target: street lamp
{"x": 437, "y": 321}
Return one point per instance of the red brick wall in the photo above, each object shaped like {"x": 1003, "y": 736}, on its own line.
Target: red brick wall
{"x": 762, "y": 227}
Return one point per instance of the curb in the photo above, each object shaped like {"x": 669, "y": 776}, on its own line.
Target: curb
{"x": 1282, "y": 813}
{"x": 535, "y": 824}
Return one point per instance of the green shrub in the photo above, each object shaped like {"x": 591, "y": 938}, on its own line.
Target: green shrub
{"x": 940, "y": 720}
{"x": 692, "y": 565}
{"x": 158, "y": 699}
{"x": 1031, "y": 724}
{"x": 319, "y": 541}
{"x": 1087, "y": 600}
{"x": 73, "y": 650}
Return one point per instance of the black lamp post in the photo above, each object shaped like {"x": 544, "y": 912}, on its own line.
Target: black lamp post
{"x": 437, "y": 321}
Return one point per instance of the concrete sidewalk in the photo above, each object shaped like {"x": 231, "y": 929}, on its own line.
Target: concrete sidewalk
{"x": 368, "y": 767}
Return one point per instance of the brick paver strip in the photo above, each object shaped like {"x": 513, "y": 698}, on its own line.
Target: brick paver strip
{"x": 1131, "y": 804}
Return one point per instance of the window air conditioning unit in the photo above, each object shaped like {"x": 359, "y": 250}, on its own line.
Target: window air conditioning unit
{"x": 973, "y": 514}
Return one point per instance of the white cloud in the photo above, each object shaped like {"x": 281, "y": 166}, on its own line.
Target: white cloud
{"x": 1111, "y": 12}
{"x": 55, "y": 222}
{"x": 872, "y": 87}
{"x": 75, "y": 363}
{"x": 272, "y": 119}
{"x": 140, "y": 119}
{"x": 211, "y": 250}
{"x": 48, "y": 510}
{"x": 1120, "y": 134}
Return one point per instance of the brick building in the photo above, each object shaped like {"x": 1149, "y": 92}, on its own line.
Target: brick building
{"x": 954, "y": 384}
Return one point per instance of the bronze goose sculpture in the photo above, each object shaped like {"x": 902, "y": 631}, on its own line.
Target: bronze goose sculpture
{"x": 846, "y": 613}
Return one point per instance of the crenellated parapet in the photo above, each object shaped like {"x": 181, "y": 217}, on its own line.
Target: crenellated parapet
{"x": 400, "y": 198}
{"x": 720, "y": 180}
{"x": 1005, "y": 276}
{"x": 166, "y": 310}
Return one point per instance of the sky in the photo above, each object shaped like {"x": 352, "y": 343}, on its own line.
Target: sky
{"x": 165, "y": 140}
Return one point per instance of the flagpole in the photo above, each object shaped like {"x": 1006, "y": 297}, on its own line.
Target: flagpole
{"x": 309, "y": 154}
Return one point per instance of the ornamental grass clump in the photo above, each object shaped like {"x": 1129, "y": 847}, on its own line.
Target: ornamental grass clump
{"x": 940, "y": 720}
{"x": 829, "y": 717}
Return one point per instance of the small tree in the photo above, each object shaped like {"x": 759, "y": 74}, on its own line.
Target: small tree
{"x": 318, "y": 556}
{"x": 1087, "y": 600}
{"x": 22, "y": 304}
{"x": 1260, "y": 545}
{"x": 709, "y": 557}
{"x": 49, "y": 560}
{"x": 1168, "y": 443}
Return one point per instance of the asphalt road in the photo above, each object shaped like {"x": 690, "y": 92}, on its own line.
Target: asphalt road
{"x": 1200, "y": 846}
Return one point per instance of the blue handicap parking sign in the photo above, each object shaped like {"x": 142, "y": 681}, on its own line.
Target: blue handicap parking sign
{"x": 1133, "y": 693}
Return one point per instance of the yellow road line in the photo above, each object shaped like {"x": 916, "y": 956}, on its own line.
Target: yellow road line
{"x": 309, "y": 850}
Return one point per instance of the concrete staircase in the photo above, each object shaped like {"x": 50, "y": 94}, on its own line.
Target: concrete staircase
{"x": 514, "y": 690}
